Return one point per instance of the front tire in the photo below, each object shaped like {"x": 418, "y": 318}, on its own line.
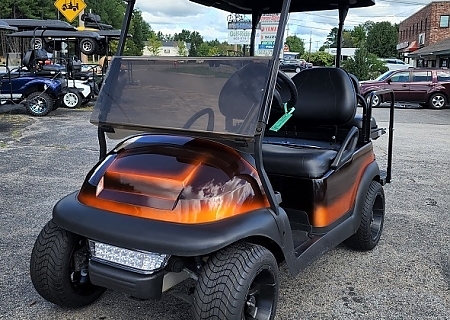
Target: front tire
{"x": 58, "y": 268}
{"x": 376, "y": 101}
{"x": 297, "y": 70}
{"x": 437, "y": 101}
{"x": 72, "y": 99}
{"x": 372, "y": 220}
{"x": 39, "y": 104}
{"x": 238, "y": 282}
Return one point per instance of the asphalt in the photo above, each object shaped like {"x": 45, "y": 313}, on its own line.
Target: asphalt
{"x": 407, "y": 276}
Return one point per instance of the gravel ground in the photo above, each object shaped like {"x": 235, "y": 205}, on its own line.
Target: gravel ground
{"x": 407, "y": 276}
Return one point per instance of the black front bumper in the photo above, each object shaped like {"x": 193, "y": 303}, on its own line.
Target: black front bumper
{"x": 160, "y": 236}
{"x": 141, "y": 286}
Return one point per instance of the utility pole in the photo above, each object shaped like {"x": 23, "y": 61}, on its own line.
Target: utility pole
{"x": 310, "y": 41}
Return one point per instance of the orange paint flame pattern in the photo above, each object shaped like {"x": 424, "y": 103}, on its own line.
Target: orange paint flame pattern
{"x": 326, "y": 214}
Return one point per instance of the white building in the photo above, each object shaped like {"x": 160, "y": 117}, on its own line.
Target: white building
{"x": 167, "y": 49}
{"x": 345, "y": 53}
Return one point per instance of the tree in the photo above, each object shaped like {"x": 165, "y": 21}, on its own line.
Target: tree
{"x": 295, "y": 44}
{"x": 382, "y": 39}
{"x": 358, "y": 35}
{"x": 141, "y": 31}
{"x": 332, "y": 39}
{"x": 321, "y": 58}
{"x": 364, "y": 65}
{"x": 195, "y": 40}
{"x": 182, "y": 50}
{"x": 154, "y": 44}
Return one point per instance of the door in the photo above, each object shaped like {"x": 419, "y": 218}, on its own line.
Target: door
{"x": 399, "y": 83}
{"x": 421, "y": 84}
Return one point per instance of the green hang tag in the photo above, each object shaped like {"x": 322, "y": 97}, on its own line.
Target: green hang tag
{"x": 284, "y": 118}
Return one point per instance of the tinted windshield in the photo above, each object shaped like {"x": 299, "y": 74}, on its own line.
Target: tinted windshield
{"x": 220, "y": 95}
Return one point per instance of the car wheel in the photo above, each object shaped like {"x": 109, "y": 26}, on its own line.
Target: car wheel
{"x": 297, "y": 70}
{"x": 58, "y": 268}
{"x": 376, "y": 100}
{"x": 71, "y": 99}
{"x": 372, "y": 220}
{"x": 39, "y": 104}
{"x": 238, "y": 282}
{"x": 88, "y": 46}
{"x": 437, "y": 101}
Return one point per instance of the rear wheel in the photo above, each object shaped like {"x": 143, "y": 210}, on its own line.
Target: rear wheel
{"x": 437, "y": 101}
{"x": 39, "y": 104}
{"x": 58, "y": 268}
{"x": 238, "y": 282}
{"x": 297, "y": 70}
{"x": 372, "y": 220}
{"x": 72, "y": 99}
{"x": 376, "y": 100}
{"x": 88, "y": 46}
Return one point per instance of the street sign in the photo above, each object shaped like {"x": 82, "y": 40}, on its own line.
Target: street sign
{"x": 70, "y": 9}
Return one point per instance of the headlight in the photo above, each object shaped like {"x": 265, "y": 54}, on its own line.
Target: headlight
{"x": 133, "y": 260}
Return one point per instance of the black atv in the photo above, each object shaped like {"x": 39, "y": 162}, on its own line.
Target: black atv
{"x": 222, "y": 174}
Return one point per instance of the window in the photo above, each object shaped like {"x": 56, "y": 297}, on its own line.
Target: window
{"x": 444, "y": 22}
{"x": 421, "y": 25}
{"x": 421, "y": 76}
{"x": 426, "y": 23}
{"x": 443, "y": 76}
{"x": 400, "y": 77}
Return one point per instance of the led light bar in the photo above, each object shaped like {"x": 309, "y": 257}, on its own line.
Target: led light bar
{"x": 138, "y": 261}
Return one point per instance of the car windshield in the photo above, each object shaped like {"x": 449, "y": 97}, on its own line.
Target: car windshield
{"x": 221, "y": 95}
{"x": 384, "y": 75}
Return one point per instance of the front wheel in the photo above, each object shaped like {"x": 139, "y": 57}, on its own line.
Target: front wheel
{"x": 297, "y": 70}
{"x": 372, "y": 220}
{"x": 437, "y": 101}
{"x": 72, "y": 99}
{"x": 39, "y": 104}
{"x": 58, "y": 268}
{"x": 376, "y": 100}
{"x": 238, "y": 282}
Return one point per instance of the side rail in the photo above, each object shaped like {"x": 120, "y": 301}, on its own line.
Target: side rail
{"x": 367, "y": 115}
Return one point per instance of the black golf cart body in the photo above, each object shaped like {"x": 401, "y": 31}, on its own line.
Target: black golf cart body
{"x": 208, "y": 179}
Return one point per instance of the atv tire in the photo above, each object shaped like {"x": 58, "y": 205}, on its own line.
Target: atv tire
{"x": 39, "y": 104}
{"x": 372, "y": 220}
{"x": 238, "y": 282}
{"x": 53, "y": 270}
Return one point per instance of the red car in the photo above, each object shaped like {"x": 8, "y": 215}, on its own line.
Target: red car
{"x": 428, "y": 87}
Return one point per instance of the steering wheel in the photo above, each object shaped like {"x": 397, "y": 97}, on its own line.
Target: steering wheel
{"x": 284, "y": 81}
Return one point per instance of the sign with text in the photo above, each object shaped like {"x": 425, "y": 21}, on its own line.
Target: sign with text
{"x": 269, "y": 28}
{"x": 242, "y": 37}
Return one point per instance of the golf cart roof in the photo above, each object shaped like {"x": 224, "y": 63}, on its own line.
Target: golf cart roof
{"x": 5, "y": 26}
{"x": 274, "y": 6}
{"x": 31, "y": 24}
{"x": 55, "y": 34}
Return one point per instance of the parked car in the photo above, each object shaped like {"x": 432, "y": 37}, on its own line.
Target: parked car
{"x": 396, "y": 64}
{"x": 296, "y": 65}
{"x": 429, "y": 87}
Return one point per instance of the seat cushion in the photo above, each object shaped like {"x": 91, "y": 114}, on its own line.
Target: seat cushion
{"x": 297, "y": 161}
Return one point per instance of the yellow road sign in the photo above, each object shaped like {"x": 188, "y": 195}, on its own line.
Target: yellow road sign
{"x": 70, "y": 9}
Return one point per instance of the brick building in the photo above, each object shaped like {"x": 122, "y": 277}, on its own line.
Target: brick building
{"x": 428, "y": 27}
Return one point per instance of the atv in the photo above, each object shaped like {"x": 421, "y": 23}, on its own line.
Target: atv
{"x": 222, "y": 174}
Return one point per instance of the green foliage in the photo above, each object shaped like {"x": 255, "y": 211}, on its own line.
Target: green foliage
{"x": 154, "y": 44}
{"x": 193, "y": 38}
{"x": 141, "y": 31}
{"x": 382, "y": 39}
{"x": 364, "y": 65}
{"x": 321, "y": 58}
{"x": 358, "y": 35}
{"x": 182, "y": 50}
{"x": 20, "y": 9}
{"x": 295, "y": 44}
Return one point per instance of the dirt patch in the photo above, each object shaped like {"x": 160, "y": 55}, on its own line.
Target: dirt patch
{"x": 12, "y": 126}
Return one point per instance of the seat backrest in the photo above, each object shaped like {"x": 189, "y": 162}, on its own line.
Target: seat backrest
{"x": 326, "y": 96}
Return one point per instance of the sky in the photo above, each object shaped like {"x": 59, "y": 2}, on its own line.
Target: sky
{"x": 171, "y": 16}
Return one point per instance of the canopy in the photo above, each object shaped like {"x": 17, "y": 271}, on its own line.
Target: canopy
{"x": 31, "y": 24}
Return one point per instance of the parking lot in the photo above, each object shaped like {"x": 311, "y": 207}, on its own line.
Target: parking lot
{"x": 407, "y": 276}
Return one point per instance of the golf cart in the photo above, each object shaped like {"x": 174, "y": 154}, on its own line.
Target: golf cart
{"x": 222, "y": 173}
{"x": 22, "y": 84}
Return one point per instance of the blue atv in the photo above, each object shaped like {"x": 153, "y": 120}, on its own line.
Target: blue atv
{"x": 36, "y": 85}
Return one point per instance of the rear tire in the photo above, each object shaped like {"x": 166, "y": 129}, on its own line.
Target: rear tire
{"x": 238, "y": 282}
{"x": 372, "y": 220}
{"x": 88, "y": 46}
{"x": 437, "y": 101}
{"x": 72, "y": 99}
{"x": 297, "y": 70}
{"x": 53, "y": 271}
{"x": 39, "y": 104}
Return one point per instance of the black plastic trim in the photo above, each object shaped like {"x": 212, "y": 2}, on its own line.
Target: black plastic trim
{"x": 160, "y": 236}
{"x": 141, "y": 286}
